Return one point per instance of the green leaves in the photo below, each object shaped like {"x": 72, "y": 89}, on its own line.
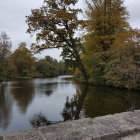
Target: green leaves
{"x": 49, "y": 67}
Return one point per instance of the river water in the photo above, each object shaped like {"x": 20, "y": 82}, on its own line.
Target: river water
{"x": 58, "y": 99}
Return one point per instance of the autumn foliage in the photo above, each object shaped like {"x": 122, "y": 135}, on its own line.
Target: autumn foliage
{"x": 55, "y": 25}
{"x": 112, "y": 55}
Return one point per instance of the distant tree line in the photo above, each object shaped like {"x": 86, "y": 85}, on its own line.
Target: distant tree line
{"x": 5, "y": 52}
{"x": 49, "y": 67}
{"x": 21, "y": 63}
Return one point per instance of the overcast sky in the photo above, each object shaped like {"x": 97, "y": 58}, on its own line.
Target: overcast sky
{"x": 12, "y": 20}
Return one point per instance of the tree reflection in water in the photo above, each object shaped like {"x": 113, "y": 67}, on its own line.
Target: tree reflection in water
{"x": 5, "y": 107}
{"x": 47, "y": 88}
{"x": 20, "y": 99}
{"x": 91, "y": 101}
{"x": 23, "y": 92}
{"x": 73, "y": 107}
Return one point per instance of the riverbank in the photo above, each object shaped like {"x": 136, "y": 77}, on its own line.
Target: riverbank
{"x": 110, "y": 127}
{"x": 79, "y": 81}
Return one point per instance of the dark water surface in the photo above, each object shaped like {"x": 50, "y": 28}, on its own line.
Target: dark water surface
{"x": 58, "y": 99}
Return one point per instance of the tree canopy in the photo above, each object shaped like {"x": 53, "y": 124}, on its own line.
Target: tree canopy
{"x": 5, "y": 51}
{"x": 107, "y": 20}
{"x": 111, "y": 45}
{"x": 49, "y": 67}
{"x": 22, "y": 62}
{"x": 55, "y": 25}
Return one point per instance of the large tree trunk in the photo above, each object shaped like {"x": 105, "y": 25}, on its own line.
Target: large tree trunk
{"x": 78, "y": 59}
{"x": 80, "y": 65}
{"x": 84, "y": 72}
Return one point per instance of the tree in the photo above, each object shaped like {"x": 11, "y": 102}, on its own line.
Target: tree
{"x": 112, "y": 55}
{"x": 56, "y": 23}
{"x": 107, "y": 20}
{"x": 21, "y": 62}
{"x": 62, "y": 68}
{"x": 123, "y": 69}
{"x": 107, "y": 28}
{"x": 5, "y": 47}
{"x": 49, "y": 67}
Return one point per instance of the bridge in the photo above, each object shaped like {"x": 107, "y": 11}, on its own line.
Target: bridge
{"x": 123, "y": 126}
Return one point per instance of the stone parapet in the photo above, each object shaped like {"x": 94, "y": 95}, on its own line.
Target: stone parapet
{"x": 110, "y": 127}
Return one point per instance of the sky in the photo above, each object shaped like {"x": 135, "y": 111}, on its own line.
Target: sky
{"x": 13, "y": 15}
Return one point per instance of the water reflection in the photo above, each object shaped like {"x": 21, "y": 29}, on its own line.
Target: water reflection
{"x": 73, "y": 106}
{"x": 47, "y": 88}
{"x": 59, "y": 99}
{"x": 94, "y": 101}
{"x": 5, "y": 107}
{"x": 23, "y": 93}
{"x": 102, "y": 101}
{"x": 20, "y": 100}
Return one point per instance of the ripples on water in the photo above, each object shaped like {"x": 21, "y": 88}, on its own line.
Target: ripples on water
{"x": 58, "y": 99}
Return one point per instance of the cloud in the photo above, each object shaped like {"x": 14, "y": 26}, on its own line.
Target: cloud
{"x": 133, "y": 7}
{"x": 13, "y": 12}
{"x": 12, "y": 20}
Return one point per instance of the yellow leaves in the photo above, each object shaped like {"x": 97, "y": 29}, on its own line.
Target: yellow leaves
{"x": 46, "y": 32}
{"x": 43, "y": 34}
{"x": 111, "y": 46}
{"x": 22, "y": 60}
{"x": 64, "y": 15}
{"x": 60, "y": 31}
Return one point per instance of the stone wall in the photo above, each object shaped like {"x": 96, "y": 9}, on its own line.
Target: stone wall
{"x": 110, "y": 127}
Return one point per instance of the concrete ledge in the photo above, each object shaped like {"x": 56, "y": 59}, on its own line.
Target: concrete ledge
{"x": 110, "y": 127}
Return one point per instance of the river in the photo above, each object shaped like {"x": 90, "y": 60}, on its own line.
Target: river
{"x": 58, "y": 99}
